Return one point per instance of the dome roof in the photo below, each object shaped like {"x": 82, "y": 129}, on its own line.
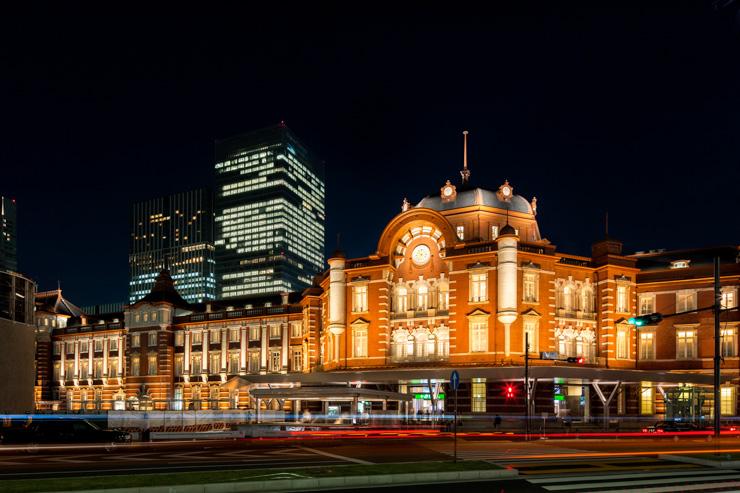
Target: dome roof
{"x": 467, "y": 196}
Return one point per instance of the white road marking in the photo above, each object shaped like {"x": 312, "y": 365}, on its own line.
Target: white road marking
{"x": 683, "y": 487}
{"x": 622, "y": 476}
{"x": 615, "y": 484}
{"x": 337, "y": 456}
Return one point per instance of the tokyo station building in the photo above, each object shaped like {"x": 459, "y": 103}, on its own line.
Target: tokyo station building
{"x": 455, "y": 282}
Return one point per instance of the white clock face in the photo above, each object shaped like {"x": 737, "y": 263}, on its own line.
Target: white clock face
{"x": 448, "y": 191}
{"x": 506, "y": 191}
{"x": 421, "y": 255}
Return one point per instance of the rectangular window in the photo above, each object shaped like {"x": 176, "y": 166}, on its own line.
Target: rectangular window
{"x": 478, "y": 395}
{"x": 460, "y": 232}
{"x": 113, "y": 344}
{"x": 359, "y": 342}
{"x": 685, "y": 344}
{"x": 254, "y": 362}
{"x": 685, "y": 300}
{"x": 530, "y": 280}
{"x": 179, "y": 359}
{"x": 84, "y": 346}
{"x": 622, "y": 343}
{"x": 297, "y": 360}
{"x": 359, "y": 298}
{"x": 478, "y": 287}
{"x": 197, "y": 338}
{"x": 729, "y": 298}
{"x": 69, "y": 368}
{"x": 215, "y": 362}
{"x": 151, "y": 364}
{"x": 98, "y": 367}
{"x": 152, "y": 339}
{"x": 98, "y": 345}
{"x": 727, "y": 401}
{"x": 135, "y": 366}
{"x": 275, "y": 361}
{"x": 622, "y": 298}
{"x": 647, "y": 304}
{"x": 57, "y": 371}
{"x": 478, "y": 336}
{"x": 135, "y": 340}
{"x": 494, "y": 232}
{"x": 56, "y": 348}
{"x": 233, "y": 362}
{"x": 179, "y": 338}
{"x": 729, "y": 342}
{"x": 254, "y": 333}
{"x": 530, "y": 331}
{"x": 647, "y": 345}
{"x": 84, "y": 368}
{"x": 275, "y": 331}
{"x": 195, "y": 364}
{"x": 647, "y": 402}
{"x": 296, "y": 329}
{"x": 234, "y": 335}
{"x": 113, "y": 367}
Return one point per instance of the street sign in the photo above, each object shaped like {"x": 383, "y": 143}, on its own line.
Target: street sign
{"x": 455, "y": 380}
{"x": 549, "y": 355}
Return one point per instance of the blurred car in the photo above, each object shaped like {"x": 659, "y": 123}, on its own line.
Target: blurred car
{"x": 670, "y": 427}
{"x": 60, "y": 431}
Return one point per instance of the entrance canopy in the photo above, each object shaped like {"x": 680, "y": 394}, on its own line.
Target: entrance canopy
{"x": 332, "y": 393}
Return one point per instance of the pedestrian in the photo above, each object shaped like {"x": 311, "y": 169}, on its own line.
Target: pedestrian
{"x": 496, "y": 422}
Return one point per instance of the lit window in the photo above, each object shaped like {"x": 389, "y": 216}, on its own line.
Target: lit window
{"x": 530, "y": 281}
{"x": 359, "y": 298}
{"x": 135, "y": 340}
{"x": 275, "y": 331}
{"x": 729, "y": 298}
{"x": 297, "y": 360}
{"x": 647, "y": 402}
{"x": 685, "y": 344}
{"x": 134, "y": 366}
{"x": 197, "y": 338}
{"x": 98, "y": 367}
{"x": 622, "y": 343}
{"x": 478, "y": 287}
{"x": 444, "y": 297}
{"x": 254, "y": 362}
{"x": 113, "y": 367}
{"x": 647, "y": 345}
{"x": 622, "y": 298}
{"x": 152, "y": 340}
{"x": 729, "y": 342}
{"x": 478, "y": 395}
{"x": 359, "y": 342}
{"x": 113, "y": 344}
{"x": 727, "y": 401}
{"x": 647, "y": 304}
{"x": 84, "y": 346}
{"x": 275, "y": 361}
{"x": 254, "y": 333}
{"x": 215, "y": 362}
{"x": 179, "y": 358}
{"x": 98, "y": 345}
{"x": 422, "y": 297}
{"x": 195, "y": 364}
{"x": 296, "y": 329}
{"x": 151, "y": 363}
{"x": 179, "y": 338}
{"x": 478, "y": 336}
{"x": 401, "y": 299}
{"x": 494, "y": 232}
{"x": 234, "y": 362}
{"x": 460, "y": 232}
{"x": 685, "y": 300}
{"x": 680, "y": 264}
{"x": 531, "y": 325}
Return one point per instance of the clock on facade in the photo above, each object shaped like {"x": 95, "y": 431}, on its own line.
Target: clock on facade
{"x": 421, "y": 255}
{"x": 505, "y": 191}
{"x": 448, "y": 192}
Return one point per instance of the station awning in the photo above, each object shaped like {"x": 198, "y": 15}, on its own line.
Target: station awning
{"x": 328, "y": 393}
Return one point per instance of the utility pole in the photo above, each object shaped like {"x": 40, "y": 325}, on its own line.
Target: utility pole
{"x": 526, "y": 385}
{"x": 717, "y": 353}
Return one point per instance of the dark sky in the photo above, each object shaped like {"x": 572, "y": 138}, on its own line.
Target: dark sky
{"x": 634, "y": 111}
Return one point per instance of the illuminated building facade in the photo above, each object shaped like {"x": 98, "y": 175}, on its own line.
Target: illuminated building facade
{"x": 458, "y": 281}
{"x": 8, "y": 235}
{"x": 269, "y": 214}
{"x": 174, "y": 232}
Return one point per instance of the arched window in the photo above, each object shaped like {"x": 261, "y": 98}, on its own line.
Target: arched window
{"x": 443, "y": 341}
{"x": 402, "y": 303}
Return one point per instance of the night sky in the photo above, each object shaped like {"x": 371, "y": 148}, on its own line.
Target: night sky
{"x": 632, "y": 111}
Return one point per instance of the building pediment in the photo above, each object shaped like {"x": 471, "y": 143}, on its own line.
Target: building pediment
{"x": 478, "y": 313}
{"x": 531, "y": 313}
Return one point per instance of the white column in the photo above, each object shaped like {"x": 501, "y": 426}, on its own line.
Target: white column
{"x": 264, "y": 339}
{"x": 243, "y": 342}
{"x": 62, "y": 370}
{"x": 206, "y": 353}
{"x": 90, "y": 359}
{"x": 121, "y": 340}
{"x": 186, "y": 357}
{"x": 224, "y": 347}
{"x": 106, "y": 345}
{"x": 337, "y": 296}
{"x": 77, "y": 359}
{"x": 506, "y": 274}
{"x": 284, "y": 351}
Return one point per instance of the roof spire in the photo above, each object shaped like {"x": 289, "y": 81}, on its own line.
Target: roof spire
{"x": 465, "y": 173}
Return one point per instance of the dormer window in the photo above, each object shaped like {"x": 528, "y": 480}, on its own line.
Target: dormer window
{"x": 680, "y": 264}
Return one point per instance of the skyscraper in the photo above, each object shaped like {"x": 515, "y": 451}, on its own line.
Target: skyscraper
{"x": 8, "y": 260}
{"x": 269, "y": 213}
{"x": 174, "y": 232}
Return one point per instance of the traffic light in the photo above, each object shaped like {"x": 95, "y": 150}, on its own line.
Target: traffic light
{"x": 650, "y": 319}
{"x": 573, "y": 359}
{"x": 509, "y": 391}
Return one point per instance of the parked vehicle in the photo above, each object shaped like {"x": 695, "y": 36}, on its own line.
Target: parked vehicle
{"x": 64, "y": 430}
{"x": 670, "y": 427}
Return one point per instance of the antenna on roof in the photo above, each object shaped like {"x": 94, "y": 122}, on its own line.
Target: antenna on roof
{"x": 465, "y": 173}
{"x": 59, "y": 285}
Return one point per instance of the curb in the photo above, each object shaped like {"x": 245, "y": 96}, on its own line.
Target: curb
{"x": 721, "y": 464}
{"x": 320, "y": 483}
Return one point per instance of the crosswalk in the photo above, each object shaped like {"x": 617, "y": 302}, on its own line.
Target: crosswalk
{"x": 508, "y": 452}
{"x": 652, "y": 482}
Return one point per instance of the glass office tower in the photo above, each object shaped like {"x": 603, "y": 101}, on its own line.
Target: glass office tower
{"x": 8, "y": 259}
{"x": 174, "y": 232}
{"x": 270, "y": 214}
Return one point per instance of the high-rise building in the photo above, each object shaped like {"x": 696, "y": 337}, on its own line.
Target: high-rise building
{"x": 173, "y": 232}
{"x": 8, "y": 260}
{"x": 269, "y": 213}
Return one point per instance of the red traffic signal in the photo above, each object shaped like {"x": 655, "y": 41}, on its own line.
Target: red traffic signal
{"x": 509, "y": 391}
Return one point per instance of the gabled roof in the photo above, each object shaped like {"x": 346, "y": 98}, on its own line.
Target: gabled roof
{"x": 164, "y": 291}
{"x": 54, "y": 302}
